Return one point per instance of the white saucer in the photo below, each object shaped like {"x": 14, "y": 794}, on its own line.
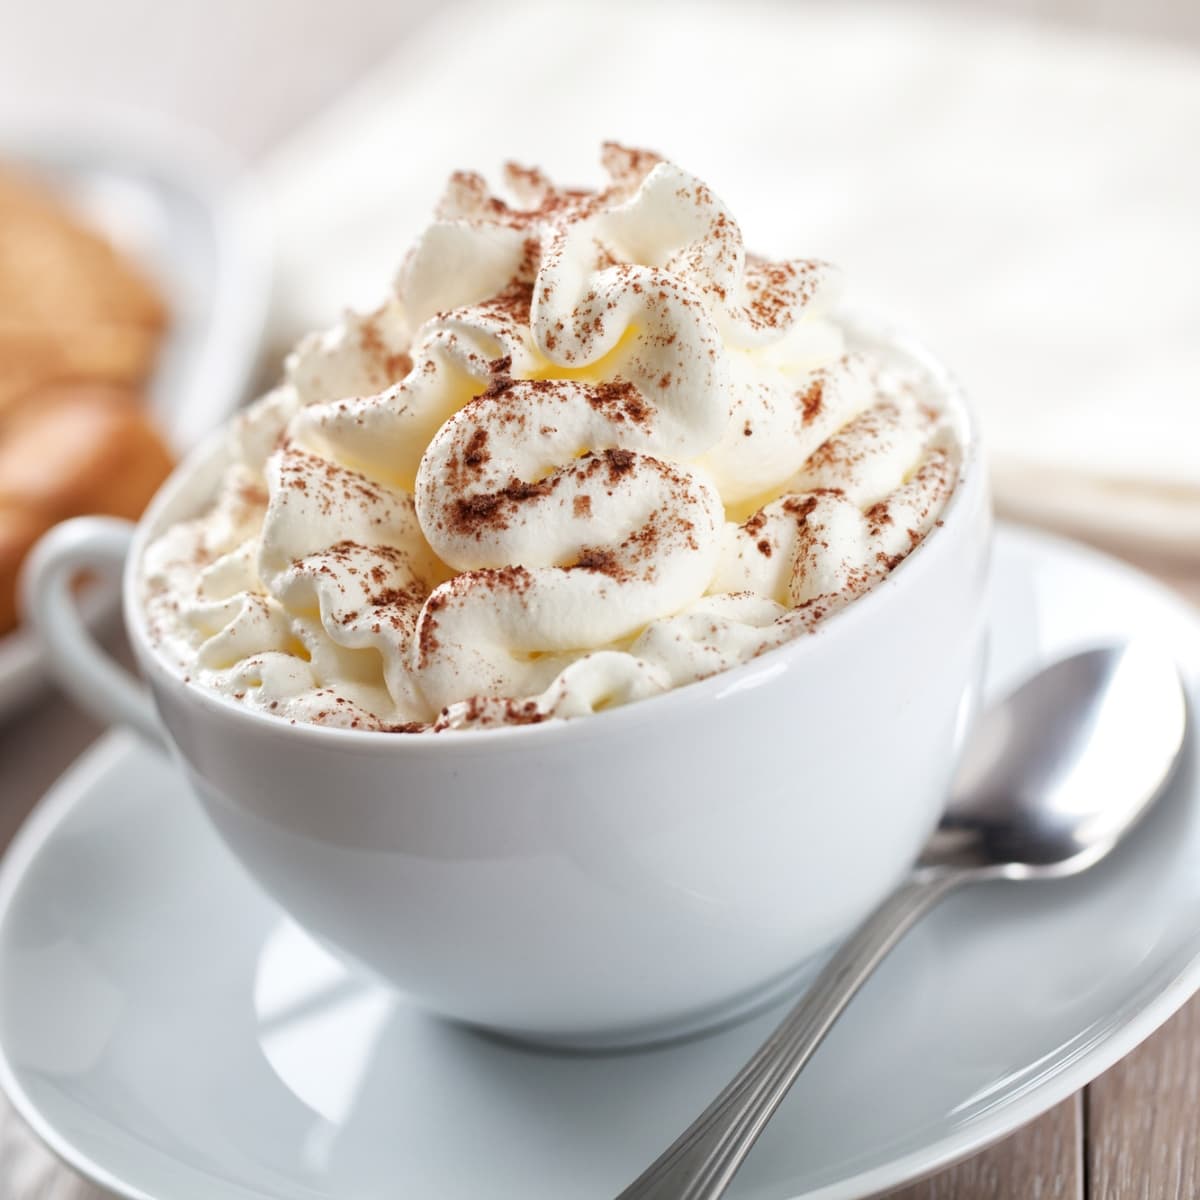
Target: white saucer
{"x": 168, "y": 1033}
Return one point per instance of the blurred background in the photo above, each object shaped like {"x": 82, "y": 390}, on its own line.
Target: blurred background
{"x": 253, "y": 73}
{"x": 1015, "y": 180}
{"x": 185, "y": 188}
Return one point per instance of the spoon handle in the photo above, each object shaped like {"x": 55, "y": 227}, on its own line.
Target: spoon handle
{"x": 701, "y": 1162}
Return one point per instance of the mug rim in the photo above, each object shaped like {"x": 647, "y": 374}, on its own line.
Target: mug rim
{"x": 750, "y": 674}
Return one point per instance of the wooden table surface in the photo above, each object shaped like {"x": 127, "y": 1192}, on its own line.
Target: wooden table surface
{"x": 1134, "y": 1134}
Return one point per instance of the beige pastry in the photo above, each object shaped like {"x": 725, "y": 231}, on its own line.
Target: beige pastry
{"x": 80, "y": 328}
{"x": 71, "y": 306}
{"x": 55, "y": 269}
{"x": 19, "y": 529}
{"x": 72, "y": 449}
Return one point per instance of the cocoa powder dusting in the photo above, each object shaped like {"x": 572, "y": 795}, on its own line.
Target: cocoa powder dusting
{"x": 755, "y": 523}
{"x": 621, "y": 400}
{"x": 620, "y": 462}
{"x": 388, "y": 366}
{"x": 476, "y": 453}
{"x": 812, "y": 401}
{"x": 877, "y": 516}
{"x": 471, "y": 513}
{"x": 599, "y": 558}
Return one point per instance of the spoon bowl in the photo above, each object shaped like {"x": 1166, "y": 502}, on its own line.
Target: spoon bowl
{"x": 1056, "y": 774}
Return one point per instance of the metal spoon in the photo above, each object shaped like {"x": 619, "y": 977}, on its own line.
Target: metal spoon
{"x": 1053, "y": 778}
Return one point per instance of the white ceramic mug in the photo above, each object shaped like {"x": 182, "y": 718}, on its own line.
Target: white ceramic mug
{"x": 640, "y": 873}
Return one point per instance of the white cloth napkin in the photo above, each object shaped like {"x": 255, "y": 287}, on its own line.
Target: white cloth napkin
{"x": 1025, "y": 199}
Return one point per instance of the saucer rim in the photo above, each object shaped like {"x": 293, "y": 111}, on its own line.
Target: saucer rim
{"x": 1116, "y": 1039}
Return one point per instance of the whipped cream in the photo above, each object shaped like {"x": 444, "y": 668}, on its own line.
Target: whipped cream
{"x": 589, "y": 450}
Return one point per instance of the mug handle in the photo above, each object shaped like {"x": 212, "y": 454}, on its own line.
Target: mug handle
{"x": 82, "y": 667}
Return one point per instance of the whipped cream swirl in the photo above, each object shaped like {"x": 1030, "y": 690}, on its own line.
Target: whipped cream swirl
{"x": 589, "y": 450}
